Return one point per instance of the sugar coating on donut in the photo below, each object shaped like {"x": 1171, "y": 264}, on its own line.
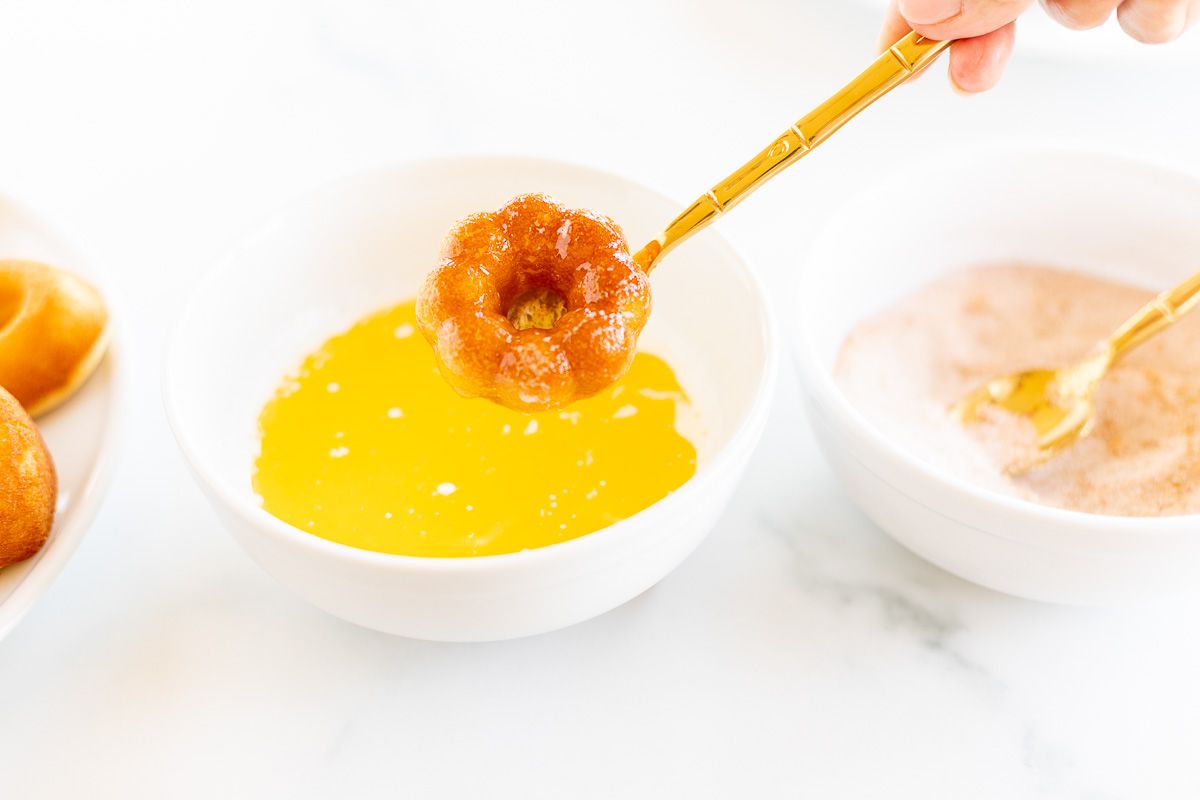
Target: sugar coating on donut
{"x": 533, "y": 244}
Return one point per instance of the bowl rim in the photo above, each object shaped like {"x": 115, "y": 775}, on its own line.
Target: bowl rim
{"x": 821, "y": 387}
{"x": 743, "y": 438}
{"x": 48, "y": 563}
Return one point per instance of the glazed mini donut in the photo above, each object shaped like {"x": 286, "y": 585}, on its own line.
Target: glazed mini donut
{"x": 28, "y": 485}
{"x": 53, "y": 332}
{"x": 592, "y": 303}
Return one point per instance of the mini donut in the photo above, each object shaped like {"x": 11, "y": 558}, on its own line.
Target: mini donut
{"x": 28, "y": 485}
{"x": 53, "y": 333}
{"x": 534, "y": 247}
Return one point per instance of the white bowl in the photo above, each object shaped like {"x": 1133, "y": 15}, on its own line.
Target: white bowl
{"x": 366, "y": 242}
{"x": 1107, "y": 215}
{"x": 81, "y": 433}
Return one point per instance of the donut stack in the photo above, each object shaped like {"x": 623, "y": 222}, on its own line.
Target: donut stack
{"x": 53, "y": 333}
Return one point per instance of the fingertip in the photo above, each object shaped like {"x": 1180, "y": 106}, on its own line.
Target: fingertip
{"x": 956, "y": 87}
{"x": 1151, "y": 23}
{"x": 976, "y": 65}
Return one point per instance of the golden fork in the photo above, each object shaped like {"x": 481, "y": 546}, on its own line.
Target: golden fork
{"x": 1061, "y": 403}
{"x": 893, "y": 67}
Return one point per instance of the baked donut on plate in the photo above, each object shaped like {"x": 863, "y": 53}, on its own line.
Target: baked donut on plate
{"x": 53, "y": 333}
{"x": 28, "y": 484}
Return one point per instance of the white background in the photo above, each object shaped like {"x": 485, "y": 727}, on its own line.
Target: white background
{"x": 797, "y": 653}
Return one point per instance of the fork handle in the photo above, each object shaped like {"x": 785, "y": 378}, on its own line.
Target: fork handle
{"x": 1157, "y": 315}
{"x": 892, "y": 68}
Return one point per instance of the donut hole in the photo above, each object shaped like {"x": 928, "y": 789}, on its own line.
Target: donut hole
{"x": 532, "y": 294}
{"x": 537, "y": 308}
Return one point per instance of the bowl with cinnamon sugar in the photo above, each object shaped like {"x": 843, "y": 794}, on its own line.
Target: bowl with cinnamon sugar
{"x": 1007, "y": 258}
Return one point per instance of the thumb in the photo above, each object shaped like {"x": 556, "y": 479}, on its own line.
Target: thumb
{"x": 960, "y": 19}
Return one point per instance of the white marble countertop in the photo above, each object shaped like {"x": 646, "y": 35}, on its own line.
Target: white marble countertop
{"x": 799, "y": 652}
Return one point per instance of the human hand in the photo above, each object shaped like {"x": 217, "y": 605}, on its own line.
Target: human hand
{"x": 985, "y": 30}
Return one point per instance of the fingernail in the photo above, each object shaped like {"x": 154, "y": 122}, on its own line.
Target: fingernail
{"x": 930, "y": 12}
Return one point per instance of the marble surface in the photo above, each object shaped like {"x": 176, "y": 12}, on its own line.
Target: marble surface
{"x": 799, "y": 652}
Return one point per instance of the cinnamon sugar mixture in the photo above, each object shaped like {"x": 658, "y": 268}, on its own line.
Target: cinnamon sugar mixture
{"x": 904, "y": 367}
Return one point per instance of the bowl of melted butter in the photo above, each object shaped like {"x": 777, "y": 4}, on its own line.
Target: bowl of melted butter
{"x": 313, "y": 415}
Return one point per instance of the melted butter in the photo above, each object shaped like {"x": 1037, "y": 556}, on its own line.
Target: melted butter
{"x": 367, "y": 445}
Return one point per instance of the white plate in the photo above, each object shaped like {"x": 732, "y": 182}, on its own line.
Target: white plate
{"x": 81, "y": 433}
{"x": 1037, "y": 33}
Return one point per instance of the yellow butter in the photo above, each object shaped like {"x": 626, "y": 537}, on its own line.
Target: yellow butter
{"x": 367, "y": 445}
